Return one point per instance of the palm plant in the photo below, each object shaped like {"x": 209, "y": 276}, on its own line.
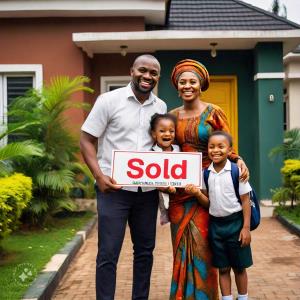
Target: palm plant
{"x": 290, "y": 148}
{"x": 14, "y": 151}
{"x": 54, "y": 172}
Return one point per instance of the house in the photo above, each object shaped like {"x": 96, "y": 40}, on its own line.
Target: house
{"x": 291, "y": 63}
{"x": 241, "y": 45}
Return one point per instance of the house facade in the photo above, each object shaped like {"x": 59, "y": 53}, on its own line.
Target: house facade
{"x": 242, "y": 47}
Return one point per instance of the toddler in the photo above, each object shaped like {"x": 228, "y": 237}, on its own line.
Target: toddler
{"x": 162, "y": 127}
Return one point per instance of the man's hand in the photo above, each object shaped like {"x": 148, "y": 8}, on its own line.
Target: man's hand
{"x": 106, "y": 184}
{"x": 244, "y": 170}
{"x": 245, "y": 237}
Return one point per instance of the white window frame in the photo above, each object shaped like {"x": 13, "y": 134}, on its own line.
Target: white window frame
{"x": 10, "y": 70}
{"x": 107, "y": 81}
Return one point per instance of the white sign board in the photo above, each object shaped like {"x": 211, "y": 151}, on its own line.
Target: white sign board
{"x": 156, "y": 169}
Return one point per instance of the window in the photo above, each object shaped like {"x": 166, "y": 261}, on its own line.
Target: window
{"x": 15, "y": 80}
{"x": 285, "y": 110}
{"x": 109, "y": 83}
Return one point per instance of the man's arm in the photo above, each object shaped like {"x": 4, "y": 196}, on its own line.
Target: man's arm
{"x": 88, "y": 150}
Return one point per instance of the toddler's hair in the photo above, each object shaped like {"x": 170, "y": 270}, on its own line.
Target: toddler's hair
{"x": 223, "y": 133}
{"x": 157, "y": 117}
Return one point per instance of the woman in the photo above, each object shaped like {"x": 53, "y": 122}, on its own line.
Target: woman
{"x": 193, "y": 276}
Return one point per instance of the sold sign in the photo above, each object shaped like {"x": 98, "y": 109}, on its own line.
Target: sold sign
{"x": 156, "y": 169}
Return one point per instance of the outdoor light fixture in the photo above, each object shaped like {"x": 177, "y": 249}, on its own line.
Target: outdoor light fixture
{"x": 213, "y": 51}
{"x": 123, "y": 51}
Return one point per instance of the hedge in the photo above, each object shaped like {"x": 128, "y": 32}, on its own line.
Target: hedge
{"x": 15, "y": 193}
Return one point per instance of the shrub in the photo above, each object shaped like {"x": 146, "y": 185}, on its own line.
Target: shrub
{"x": 290, "y": 148}
{"x": 15, "y": 193}
{"x": 41, "y": 116}
{"x": 291, "y": 185}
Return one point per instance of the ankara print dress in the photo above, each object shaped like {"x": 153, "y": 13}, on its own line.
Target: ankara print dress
{"x": 193, "y": 276}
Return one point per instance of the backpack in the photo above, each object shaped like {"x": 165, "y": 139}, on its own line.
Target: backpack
{"x": 255, "y": 210}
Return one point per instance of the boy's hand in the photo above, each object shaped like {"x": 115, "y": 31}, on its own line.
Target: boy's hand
{"x": 169, "y": 189}
{"x": 245, "y": 237}
{"x": 191, "y": 189}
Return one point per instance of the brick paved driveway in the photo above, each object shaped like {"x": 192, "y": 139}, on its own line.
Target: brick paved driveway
{"x": 275, "y": 274}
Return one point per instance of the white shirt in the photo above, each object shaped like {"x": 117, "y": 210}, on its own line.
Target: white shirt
{"x": 156, "y": 148}
{"x": 164, "y": 198}
{"x": 223, "y": 201}
{"x": 121, "y": 122}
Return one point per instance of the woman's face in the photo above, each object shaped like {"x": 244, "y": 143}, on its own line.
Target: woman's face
{"x": 189, "y": 87}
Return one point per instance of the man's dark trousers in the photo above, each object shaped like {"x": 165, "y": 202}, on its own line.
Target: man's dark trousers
{"x": 114, "y": 210}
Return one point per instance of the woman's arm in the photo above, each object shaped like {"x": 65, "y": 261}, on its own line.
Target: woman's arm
{"x": 219, "y": 122}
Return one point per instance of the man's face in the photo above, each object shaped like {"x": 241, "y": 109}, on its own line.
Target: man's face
{"x": 145, "y": 75}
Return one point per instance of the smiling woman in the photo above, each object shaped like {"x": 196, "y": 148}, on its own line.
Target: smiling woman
{"x": 196, "y": 119}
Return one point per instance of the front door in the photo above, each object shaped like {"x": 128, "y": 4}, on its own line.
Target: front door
{"x": 223, "y": 92}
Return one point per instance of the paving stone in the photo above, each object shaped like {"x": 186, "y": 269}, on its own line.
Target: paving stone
{"x": 274, "y": 275}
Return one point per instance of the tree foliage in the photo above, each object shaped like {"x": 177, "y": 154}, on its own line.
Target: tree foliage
{"x": 40, "y": 116}
{"x": 279, "y": 9}
{"x": 290, "y": 148}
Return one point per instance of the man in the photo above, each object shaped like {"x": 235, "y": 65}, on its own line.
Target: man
{"x": 120, "y": 120}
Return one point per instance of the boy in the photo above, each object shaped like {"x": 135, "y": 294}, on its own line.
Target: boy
{"x": 229, "y": 228}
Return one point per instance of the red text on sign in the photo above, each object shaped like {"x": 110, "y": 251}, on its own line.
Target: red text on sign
{"x": 154, "y": 170}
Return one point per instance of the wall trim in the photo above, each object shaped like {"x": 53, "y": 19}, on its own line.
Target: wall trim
{"x": 293, "y": 75}
{"x": 105, "y": 81}
{"x": 275, "y": 75}
{"x": 37, "y": 69}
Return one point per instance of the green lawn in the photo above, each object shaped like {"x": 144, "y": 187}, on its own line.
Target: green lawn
{"x": 27, "y": 252}
{"x": 291, "y": 214}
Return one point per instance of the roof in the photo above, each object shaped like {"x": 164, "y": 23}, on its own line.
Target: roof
{"x": 222, "y": 15}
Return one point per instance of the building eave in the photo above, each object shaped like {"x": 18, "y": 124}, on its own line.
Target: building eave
{"x": 154, "y": 11}
{"x": 151, "y": 41}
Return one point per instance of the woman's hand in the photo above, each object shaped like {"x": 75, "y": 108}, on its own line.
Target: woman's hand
{"x": 244, "y": 170}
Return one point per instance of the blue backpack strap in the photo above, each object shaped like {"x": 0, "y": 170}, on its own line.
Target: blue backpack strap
{"x": 205, "y": 177}
{"x": 235, "y": 174}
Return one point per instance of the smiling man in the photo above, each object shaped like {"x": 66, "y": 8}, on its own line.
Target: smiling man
{"x": 120, "y": 120}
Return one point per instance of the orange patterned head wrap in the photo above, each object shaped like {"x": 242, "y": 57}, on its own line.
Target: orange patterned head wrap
{"x": 190, "y": 65}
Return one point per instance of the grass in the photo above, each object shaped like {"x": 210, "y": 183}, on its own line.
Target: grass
{"x": 291, "y": 214}
{"x": 25, "y": 253}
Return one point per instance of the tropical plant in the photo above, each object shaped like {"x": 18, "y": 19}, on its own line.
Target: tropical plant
{"x": 14, "y": 151}
{"x": 54, "y": 172}
{"x": 290, "y": 148}
{"x": 290, "y": 191}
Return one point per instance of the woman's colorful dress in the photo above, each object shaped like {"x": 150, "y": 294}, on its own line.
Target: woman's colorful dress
{"x": 193, "y": 276}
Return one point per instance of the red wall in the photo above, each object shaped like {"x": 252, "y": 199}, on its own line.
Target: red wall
{"x": 48, "y": 41}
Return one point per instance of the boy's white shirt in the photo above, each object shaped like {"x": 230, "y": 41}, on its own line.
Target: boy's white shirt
{"x": 165, "y": 196}
{"x": 223, "y": 201}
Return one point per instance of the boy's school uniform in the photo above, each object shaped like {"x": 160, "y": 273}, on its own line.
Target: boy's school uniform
{"x": 226, "y": 220}
{"x": 164, "y": 198}
{"x": 222, "y": 197}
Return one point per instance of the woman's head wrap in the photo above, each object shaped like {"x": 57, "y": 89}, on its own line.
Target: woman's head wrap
{"x": 190, "y": 65}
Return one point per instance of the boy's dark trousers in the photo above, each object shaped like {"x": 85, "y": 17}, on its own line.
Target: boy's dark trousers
{"x": 114, "y": 210}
